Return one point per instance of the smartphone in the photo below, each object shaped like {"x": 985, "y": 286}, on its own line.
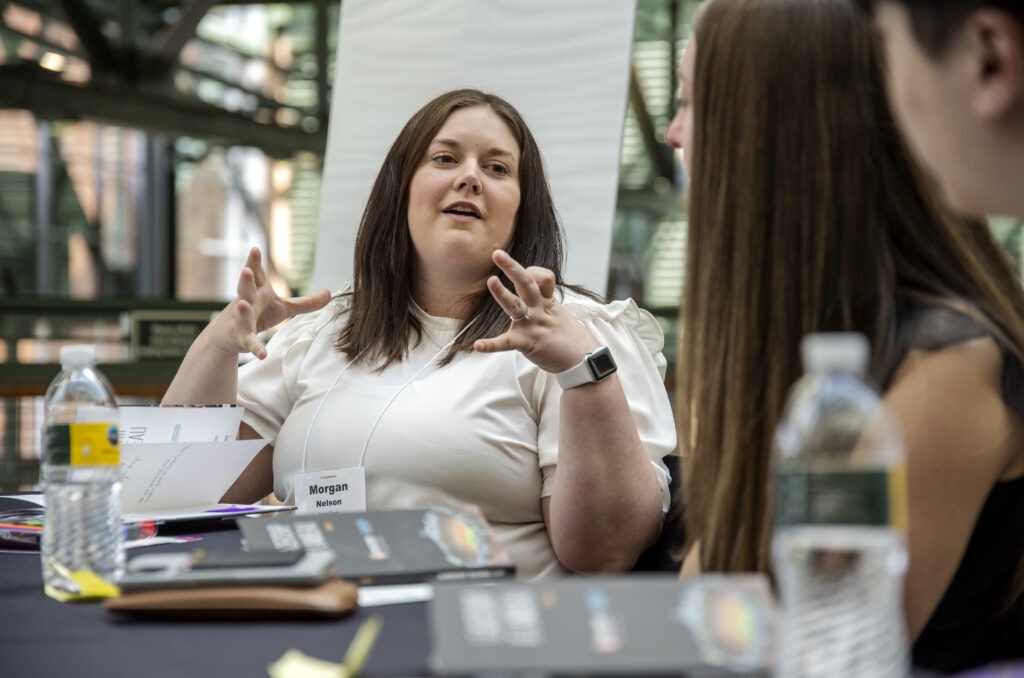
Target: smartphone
{"x": 227, "y": 568}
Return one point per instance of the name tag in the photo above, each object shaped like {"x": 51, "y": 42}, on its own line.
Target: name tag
{"x": 341, "y": 489}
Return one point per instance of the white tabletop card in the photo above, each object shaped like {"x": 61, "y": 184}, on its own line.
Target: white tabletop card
{"x": 342, "y": 489}
{"x": 160, "y": 477}
{"x": 141, "y": 424}
{"x": 177, "y": 461}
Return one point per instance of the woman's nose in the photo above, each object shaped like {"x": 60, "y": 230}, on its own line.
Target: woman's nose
{"x": 468, "y": 178}
{"x": 674, "y": 133}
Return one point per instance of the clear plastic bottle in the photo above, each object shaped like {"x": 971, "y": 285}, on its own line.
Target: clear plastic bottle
{"x": 839, "y": 548}
{"x": 81, "y": 475}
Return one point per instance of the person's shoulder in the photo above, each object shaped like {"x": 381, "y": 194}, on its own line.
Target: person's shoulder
{"x": 935, "y": 326}
{"x": 341, "y": 300}
{"x": 568, "y": 295}
{"x": 977, "y": 357}
{"x": 952, "y": 397}
{"x": 624, "y": 313}
{"x": 584, "y": 306}
{"x": 308, "y": 325}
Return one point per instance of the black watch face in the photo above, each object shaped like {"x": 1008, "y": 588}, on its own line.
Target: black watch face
{"x": 601, "y": 364}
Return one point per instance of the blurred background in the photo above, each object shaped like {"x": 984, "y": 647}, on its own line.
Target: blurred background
{"x": 145, "y": 145}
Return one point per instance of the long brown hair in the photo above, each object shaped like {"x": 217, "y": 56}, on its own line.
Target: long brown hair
{"x": 806, "y": 214}
{"x": 381, "y": 321}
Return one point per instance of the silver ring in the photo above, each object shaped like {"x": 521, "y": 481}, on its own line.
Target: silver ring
{"x": 523, "y": 318}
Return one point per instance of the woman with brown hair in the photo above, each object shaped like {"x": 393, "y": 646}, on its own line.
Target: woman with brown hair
{"x": 807, "y": 215}
{"x": 450, "y": 373}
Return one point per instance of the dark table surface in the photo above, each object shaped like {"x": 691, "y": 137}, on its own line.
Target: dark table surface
{"x": 42, "y": 637}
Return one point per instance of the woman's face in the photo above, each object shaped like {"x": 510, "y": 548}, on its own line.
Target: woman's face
{"x": 464, "y": 196}
{"x": 680, "y": 131}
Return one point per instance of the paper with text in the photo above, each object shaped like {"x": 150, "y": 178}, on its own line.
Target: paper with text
{"x": 161, "y": 477}
{"x": 141, "y": 424}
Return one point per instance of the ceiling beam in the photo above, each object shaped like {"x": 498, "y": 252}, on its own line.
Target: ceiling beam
{"x": 183, "y": 31}
{"x": 102, "y": 55}
{"x": 26, "y": 86}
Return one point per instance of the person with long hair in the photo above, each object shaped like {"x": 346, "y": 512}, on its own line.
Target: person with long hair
{"x": 807, "y": 214}
{"x": 458, "y": 367}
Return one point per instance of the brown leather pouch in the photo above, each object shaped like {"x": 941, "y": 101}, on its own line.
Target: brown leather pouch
{"x": 333, "y": 598}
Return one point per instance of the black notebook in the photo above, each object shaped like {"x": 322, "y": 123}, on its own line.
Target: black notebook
{"x": 713, "y": 625}
{"x": 390, "y": 547}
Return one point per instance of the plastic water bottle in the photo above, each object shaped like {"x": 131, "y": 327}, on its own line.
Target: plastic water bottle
{"x": 838, "y": 549}
{"x": 81, "y": 475}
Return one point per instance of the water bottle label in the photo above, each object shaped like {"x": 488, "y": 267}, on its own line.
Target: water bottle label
{"x": 82, "y": 444}
{"x": 898, "y": 497}
{"x": 874, "y": 496}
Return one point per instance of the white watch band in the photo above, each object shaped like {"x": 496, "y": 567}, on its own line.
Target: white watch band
{"x": 577, "y": 375}
{"x": 595, "y": 366}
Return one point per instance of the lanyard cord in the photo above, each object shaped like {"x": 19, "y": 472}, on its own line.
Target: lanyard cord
{"x": 366, "y": 445}
{"x": 309, "y": 430}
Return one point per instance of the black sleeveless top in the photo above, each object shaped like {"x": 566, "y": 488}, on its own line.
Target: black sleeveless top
{"x": 976, "y": 622}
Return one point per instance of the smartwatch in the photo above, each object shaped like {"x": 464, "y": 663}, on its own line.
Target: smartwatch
{"x": 594, "y": 367}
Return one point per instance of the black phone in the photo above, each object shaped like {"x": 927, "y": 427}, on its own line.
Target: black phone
{"x": 227, "y": 568}
{"x": 203, "y": 559}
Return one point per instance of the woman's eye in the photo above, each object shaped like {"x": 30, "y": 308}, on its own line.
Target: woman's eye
{"x": 443, "y": 158}
{"x": 498, "y": 168}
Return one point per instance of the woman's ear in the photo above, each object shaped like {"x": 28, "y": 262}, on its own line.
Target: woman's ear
{"x": 995, "y": 53}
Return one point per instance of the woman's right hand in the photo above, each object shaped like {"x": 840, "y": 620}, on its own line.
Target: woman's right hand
{"x": 256, "y": 308}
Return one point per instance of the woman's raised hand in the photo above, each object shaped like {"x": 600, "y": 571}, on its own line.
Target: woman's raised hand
{"x": 256, "y": 308}
{"x": 542, "y": 330}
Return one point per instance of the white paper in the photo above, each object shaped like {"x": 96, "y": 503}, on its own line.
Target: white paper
{"x": 177, "y": 462}
{"x": 394, "y": 594}
{"x": 169, "y": 476}
{"x": 37, "y": 499}
{"x": 205, "y": 511}
{"x": 141, "y": 425}
{"x": 212, "y": 511}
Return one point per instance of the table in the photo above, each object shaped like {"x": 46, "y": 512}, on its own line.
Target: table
{"x": 41, "y": 637}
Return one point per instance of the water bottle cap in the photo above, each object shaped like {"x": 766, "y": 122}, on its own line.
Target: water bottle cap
{"x": 835, "y": 352}
{"x": 77, "y": 355}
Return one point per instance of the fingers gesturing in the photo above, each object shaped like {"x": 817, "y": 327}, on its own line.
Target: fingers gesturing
{"x": 534, "y": 288}
{"x": 258, "y": 307}
{"x": 540, "y": 327}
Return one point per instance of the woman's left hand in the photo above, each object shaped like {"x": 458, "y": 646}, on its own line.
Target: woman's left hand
{"x": 541, "y": 329}
{"x": 605, "y": 503}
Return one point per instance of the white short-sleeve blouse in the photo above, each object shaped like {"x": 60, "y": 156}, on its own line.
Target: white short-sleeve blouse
{"x": 481, "y": 430}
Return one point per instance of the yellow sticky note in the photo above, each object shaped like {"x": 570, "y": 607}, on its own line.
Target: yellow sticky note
{"x": 361, "y": 646}
{"x": 90, "y": 587}
{"x": 295, "y": 664}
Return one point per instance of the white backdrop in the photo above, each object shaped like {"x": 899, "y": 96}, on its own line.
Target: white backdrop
{"x": 563, "y": 63}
